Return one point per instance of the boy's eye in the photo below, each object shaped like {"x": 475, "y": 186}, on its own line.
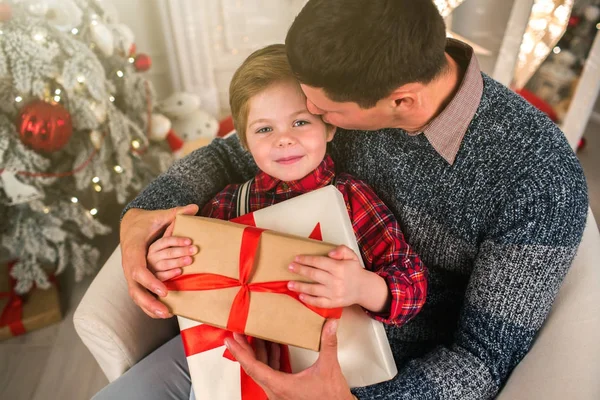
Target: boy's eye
{"x": 300, "y": 123}
{"x": 264, "y": 130}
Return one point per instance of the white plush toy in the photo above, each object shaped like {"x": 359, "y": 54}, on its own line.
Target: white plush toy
{"x": 183, "y": 123}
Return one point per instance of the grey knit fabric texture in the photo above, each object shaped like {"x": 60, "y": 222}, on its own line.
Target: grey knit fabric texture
{"x": 498, "y": 230}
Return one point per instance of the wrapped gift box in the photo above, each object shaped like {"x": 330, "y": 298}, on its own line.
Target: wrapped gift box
{"x": 21, "y": 314}
{"x": 363, "y": 348}
{"x": 215, "y": 289}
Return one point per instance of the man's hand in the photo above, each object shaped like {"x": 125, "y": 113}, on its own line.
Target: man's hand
{"x": 322, "y": 380}
{"x": 340, "y": 281}
{"x": 139, "y": 228}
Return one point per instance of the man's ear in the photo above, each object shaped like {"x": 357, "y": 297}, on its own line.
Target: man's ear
{"x": 330, "y": 132}
{"x": 403, "y": 98}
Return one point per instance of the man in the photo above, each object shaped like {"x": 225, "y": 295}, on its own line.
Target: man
{"x": 485, "y": 187}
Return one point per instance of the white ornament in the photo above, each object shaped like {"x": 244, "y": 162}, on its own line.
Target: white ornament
{"x": 102, "y": 37}
{"x": 64, "y": 15}
{"x": 124, "y": 38}
{"x": 161, "y": 126}
{"x": 96, "y": 139}
{"x": 100, "y": 111}
{"x": 180, "y": 104}
{"x": 16, "y": 191}
{"x": 39, "y": 8}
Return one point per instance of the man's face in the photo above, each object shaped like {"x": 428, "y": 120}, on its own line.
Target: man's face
{"x": 346, "y": 115}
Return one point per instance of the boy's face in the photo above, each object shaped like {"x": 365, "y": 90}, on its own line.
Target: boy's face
{"x": 286, "y": 141}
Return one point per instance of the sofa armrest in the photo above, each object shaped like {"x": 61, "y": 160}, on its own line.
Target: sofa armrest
{"x": 564, "y": 361}
{"x": 115, "y": 330}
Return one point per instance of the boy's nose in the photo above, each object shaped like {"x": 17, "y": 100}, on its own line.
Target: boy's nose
{"x": 285, "y": 140}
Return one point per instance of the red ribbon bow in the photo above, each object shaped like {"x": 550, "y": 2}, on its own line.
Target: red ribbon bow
{"x": 12, "y": 315}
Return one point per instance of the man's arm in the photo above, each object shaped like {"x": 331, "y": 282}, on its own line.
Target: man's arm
{"x": 517, "y": 274}
{"x": 192, "y": 180}
{"x": 197, "y": 177}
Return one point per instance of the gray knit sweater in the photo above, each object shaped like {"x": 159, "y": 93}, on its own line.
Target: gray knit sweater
{"x": 497, "y": 229}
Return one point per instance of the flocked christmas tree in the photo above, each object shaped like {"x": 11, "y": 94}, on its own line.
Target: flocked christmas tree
{"x": 74, "y": 115}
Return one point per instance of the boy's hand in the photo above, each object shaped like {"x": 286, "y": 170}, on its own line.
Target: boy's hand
{"x": 169, "y": 254}
{"x": 340, "y": 282}
{"x": 339, "y": 278}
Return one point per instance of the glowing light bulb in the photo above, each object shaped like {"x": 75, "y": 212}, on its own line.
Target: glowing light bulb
{"x": 94, "y": 211}
{"x": 74, "y": 200}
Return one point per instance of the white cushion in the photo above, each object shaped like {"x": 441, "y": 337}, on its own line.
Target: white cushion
{"x": 115, "y": 330}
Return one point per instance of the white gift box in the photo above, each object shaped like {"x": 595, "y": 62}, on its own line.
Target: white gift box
{"x": 364, "y": 352}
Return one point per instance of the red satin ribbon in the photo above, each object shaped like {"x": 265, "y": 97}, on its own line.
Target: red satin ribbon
{"x": 202, "y": 338}
{"x": 12, "y": 315}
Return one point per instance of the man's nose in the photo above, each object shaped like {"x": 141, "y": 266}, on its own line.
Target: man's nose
{"x": 313, "y": 109}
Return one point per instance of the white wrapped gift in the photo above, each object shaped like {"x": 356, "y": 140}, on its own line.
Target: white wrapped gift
{"x": 363, "y": 349}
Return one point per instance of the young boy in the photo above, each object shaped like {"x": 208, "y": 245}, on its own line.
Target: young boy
{"x": 289, "y": 144}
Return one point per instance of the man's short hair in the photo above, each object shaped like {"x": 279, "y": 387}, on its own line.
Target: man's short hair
{"x": 362, "y": 50}
{"x": 260, "y": 70}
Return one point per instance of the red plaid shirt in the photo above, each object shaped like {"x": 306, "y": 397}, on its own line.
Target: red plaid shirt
{"x": 381, "y": 242}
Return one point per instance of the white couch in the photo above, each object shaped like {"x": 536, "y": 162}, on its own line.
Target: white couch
{"x": 564, "y": 362}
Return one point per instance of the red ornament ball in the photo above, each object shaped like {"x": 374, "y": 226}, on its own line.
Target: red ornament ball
{"x": 44, "y": 127}
{"x": 142, "y": 62}
{"x": 5, "y": 12}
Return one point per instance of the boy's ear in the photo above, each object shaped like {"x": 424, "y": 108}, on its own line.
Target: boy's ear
{"x": 330, "y": 132}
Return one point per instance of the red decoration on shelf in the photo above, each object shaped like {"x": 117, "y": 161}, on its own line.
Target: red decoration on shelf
{"x": 5, "y": 12}
{"x": 574, "y": 21}
{"x": 142, "y": 62}
{"x": 44, "y": 127}
{"x": 539, "y": 104}
{"x": 132, "y": 50}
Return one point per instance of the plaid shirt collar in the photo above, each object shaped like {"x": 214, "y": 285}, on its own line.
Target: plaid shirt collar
{"x": 320, "y": 177}
{"x": 446, "y": 131}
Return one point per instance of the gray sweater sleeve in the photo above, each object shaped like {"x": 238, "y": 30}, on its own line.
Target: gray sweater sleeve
{"x": 518, "y": 271}
{"x": 198, "y": 177}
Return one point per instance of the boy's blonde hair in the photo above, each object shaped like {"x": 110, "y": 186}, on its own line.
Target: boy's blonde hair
{"x": 260, "y": 70}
